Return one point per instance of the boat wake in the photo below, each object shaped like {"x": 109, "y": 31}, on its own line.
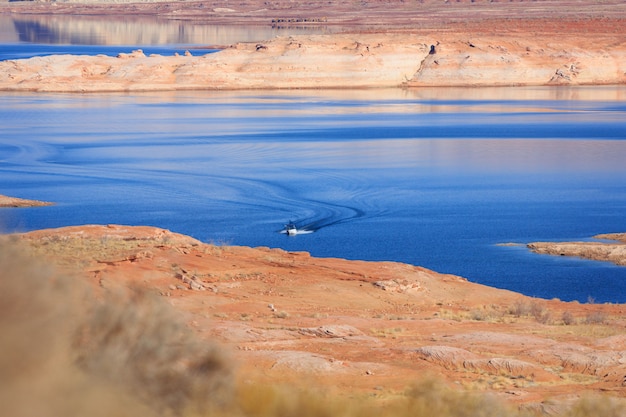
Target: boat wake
{"x": 330, "y": 216}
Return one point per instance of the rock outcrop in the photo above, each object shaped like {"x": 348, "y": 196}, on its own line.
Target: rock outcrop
{"x": 614, "y": 252}
{"x": 288, "y": 316}
{"x": 6, "y": 201}
{"x": 368, "y": 60}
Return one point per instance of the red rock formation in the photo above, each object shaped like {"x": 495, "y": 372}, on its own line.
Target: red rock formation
{"x": 289, "y": 317}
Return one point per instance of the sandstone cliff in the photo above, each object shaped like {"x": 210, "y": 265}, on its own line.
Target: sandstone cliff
{"x": 337, "y": 61}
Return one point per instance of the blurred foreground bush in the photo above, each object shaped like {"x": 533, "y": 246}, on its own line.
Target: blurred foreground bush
{"x": 64, "y": 353}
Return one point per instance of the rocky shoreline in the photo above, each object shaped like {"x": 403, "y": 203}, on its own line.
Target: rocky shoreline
{"x": 362, "y": 60}
{"x": 369, "y": 45}
{"x": 614, "y": 252}
{"x": 21, "y": 202}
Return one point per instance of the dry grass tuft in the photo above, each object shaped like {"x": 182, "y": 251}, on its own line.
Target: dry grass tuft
{"x": 431, "y": 398}
{"x": 598, "y": 406}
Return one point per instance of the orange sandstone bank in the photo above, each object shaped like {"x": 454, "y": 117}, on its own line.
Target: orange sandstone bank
{"x": 354, "y": 328}
{"x": 359, "y": 60}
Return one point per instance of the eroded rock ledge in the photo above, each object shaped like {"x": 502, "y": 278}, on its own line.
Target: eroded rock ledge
{"x": 614, "y": 252}
{"x": 337, "y": 61}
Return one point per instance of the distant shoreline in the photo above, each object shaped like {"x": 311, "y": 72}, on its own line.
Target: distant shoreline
{"x": 372, "y": 60}
{"x": 376, "y": 45}
{"x": 474, "y": 17}
{"x": 6, "y": 201}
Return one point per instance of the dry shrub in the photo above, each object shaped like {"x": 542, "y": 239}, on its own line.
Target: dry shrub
{"x": 279, "y": 401}
{"x": 596, "y": 317}
{"x": 486, "y": 313}
{"x": 599, "y": 406}
{"x": 568, "y": 318}
{"x": 33, "y": 313}
{"x": 519, "y": 309}
{"x": 533, "y": 309}
{"x": 136, "y": 340}
{"x": 427, "y": 398}
{"x": 38, "y": 314}
{"x": 432, "y": 398}
{"x": 124, "y": 356}
{"x": 540, "y": 313}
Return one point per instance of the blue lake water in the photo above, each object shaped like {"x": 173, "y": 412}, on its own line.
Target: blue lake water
{"x": 430, "y": 177}
{"x": 18, "y": 51}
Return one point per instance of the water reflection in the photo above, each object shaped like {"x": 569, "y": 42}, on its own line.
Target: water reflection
{"x": 567, "y": 95}
{"x": 435, "y": 98}
{"x": 91, "y": 30}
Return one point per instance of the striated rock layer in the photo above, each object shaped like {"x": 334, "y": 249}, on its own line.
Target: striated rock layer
{"x": 614, "y": 252}
{"x": 365, "y": 60}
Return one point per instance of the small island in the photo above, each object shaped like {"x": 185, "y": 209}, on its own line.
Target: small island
{"x": 612, "y": 251}
{"x": 6, "y": 201}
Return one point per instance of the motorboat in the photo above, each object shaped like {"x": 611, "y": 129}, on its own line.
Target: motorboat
{"x": 290, "y": 229}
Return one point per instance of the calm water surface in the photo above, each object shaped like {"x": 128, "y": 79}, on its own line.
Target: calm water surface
{"x": 436, "y": 178}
